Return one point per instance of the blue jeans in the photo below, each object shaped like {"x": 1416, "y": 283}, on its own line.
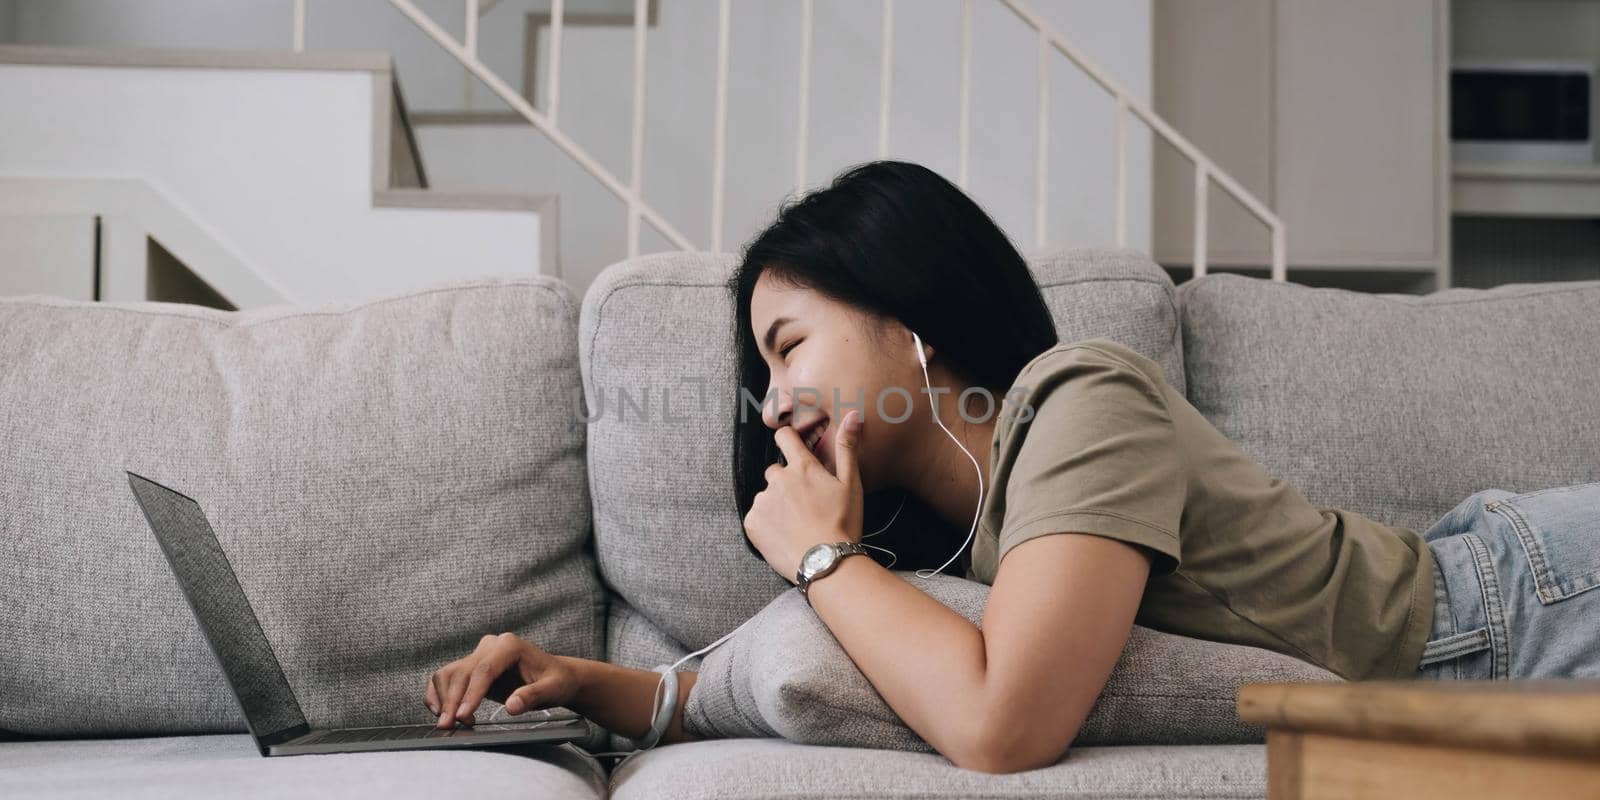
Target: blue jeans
{"x": 1516, "y": 586}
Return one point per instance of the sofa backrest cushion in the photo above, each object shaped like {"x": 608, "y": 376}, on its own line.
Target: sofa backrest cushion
{"x": 657, "y": 347}
{"x": 391, "y": 480}
{"x": 1399, "y": 406}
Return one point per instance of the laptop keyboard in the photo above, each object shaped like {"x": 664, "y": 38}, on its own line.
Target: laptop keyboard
{"x": 399, "y": 732}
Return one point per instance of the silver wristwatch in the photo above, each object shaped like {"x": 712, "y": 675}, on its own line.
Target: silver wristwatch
{"x": 822, "y": 559}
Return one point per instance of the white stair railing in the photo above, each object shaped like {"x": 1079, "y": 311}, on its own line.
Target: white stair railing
{"x": 630, "y": 192}
{"x": 1205, "y": 170}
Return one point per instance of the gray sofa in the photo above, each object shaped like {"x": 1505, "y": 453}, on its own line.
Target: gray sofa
{"x": 395, "y": 477}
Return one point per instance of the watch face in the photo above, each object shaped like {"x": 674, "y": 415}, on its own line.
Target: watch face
{"x": 816, "y": 558}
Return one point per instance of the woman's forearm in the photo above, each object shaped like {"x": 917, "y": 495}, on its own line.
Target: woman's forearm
{"x": 927, "y": 661}
{"x": 620, "y": 699}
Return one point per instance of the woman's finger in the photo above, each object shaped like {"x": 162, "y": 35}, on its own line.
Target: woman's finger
{"x": 452, "y": 696}
{"x": 526, "y": 698}
{"x": 793, "y": 447}
{"x": 441, "y": 686}
{"x": 481, "y": 678}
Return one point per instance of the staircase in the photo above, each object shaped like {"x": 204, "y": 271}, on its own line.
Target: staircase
{"x": 272, "y": 176}
{"x": 1128, "y": 110}
{"x": 746, "y": 104}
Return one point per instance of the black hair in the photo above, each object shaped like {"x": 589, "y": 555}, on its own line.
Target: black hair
{"x": 897, "y": 240}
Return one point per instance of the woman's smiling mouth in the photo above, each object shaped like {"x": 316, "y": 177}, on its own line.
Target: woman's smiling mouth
{"x": 815, "y": 439}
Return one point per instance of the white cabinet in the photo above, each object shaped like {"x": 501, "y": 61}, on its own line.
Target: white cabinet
{"x": 1527, "y": 32}
{"x": 48, "y": 254}
{"x": 1332, "y": 111}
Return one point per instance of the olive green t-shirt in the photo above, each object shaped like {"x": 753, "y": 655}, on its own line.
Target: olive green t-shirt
{"x": 1092, "y": 439}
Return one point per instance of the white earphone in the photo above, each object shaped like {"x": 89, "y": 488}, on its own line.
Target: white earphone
{"x": 655, "y": 708}
{"x": 921, "y": 358}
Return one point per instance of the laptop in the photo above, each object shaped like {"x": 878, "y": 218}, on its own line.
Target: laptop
{"x": 270, "y": 709}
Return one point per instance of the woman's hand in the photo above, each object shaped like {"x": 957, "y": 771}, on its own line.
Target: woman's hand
{"x": 505, "y": 669}
{"x": 804, "y": 504}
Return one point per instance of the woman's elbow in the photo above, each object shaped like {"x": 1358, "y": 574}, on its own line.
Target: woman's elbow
{"x": 1005, "y": 754}
{"x": 1004, "y": 763}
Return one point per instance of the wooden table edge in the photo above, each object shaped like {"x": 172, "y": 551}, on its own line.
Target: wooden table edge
{"x": 1555, "y": 717}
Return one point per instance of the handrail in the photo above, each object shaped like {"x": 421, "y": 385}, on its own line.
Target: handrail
{"x": 1205, "y": 168}
{"x": 631, "y": 192}
{"x": 559, "y": 138}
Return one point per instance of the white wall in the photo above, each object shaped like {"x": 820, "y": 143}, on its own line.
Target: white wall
{"x": 681, "y": 60}
{"x": 60, "y": 246}
{"x": 277, "y": 164}
{"x": 264, "y": 24}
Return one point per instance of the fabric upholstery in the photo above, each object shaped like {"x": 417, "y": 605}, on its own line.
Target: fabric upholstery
{"x": 656, "y": 343}
{"x": 391, "y": 480}
{"x": 229, "y": 766}
{"x": 786, "y": 675}
{"x": 759, "y": 769}
{"x": 1399, "y": 406}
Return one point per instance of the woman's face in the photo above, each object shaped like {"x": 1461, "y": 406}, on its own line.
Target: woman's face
{"x": 824, "y": 355}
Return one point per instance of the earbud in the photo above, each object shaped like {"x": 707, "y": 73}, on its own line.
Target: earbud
{"x": 921, "y": 357}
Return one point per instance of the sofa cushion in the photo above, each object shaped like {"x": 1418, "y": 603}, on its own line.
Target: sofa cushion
{"x": 1399, "y": 406}
{"x": 230, "y": 766}
{"x": 756, "y": 769}
{"x": 657, "y": 347}
{"x": 786, "y": 675}
{"x": 391, "y": 479}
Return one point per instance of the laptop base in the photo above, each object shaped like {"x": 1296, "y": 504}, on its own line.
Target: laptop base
{"x": 429, "y": 737}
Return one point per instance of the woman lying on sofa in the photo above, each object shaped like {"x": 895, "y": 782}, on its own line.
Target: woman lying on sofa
{"x": 907, "y": 357}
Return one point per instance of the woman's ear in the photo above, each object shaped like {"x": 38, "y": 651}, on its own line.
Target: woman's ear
{"x": 922, "y": 350}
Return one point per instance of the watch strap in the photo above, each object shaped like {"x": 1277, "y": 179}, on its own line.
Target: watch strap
{"x": 842, "y": 549}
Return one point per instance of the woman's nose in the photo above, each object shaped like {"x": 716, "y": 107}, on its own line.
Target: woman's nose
{"x": 777, "y": 412}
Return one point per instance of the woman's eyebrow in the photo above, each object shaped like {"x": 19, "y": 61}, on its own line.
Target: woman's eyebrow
{"x": 772, "y": 331}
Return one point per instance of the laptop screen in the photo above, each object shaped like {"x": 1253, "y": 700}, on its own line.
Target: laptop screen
{"x": 226, "y": 619}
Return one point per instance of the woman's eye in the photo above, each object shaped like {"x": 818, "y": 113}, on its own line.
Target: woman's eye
{"x": 784, "y": 353}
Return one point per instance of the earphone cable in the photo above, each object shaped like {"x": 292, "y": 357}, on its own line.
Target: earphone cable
{"x": 975, "y": 512}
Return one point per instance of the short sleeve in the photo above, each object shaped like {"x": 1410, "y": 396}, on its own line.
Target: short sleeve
{"x": 1099, "y": 455}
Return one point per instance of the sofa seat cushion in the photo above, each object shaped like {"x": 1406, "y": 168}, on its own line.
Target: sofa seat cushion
{"x": 662, "y": 405}
{"x": 786, "y": 675}
{"x": 1399, "y": 406}
{"x": 391, "y": 479}
{"x": 752, "y": 769}
{"x": 230, "y": 766}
